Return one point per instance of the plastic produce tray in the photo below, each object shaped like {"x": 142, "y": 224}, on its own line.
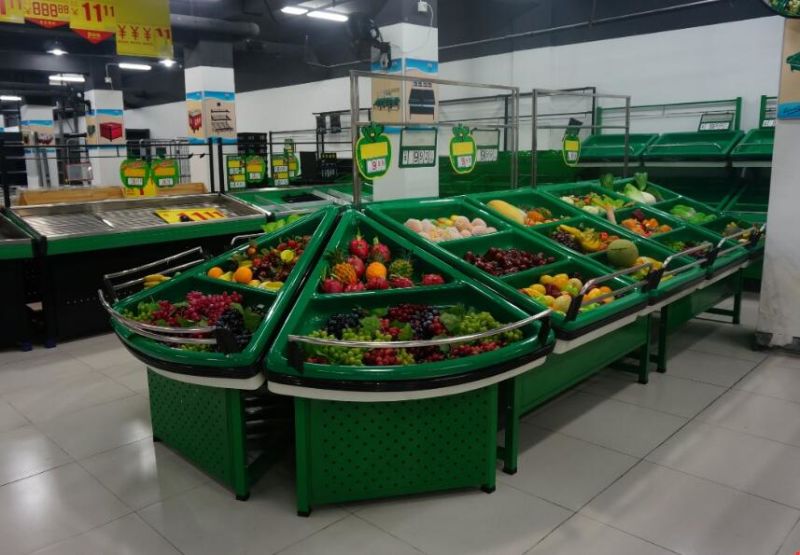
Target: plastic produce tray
{"x": 246, "y": 364}
{"x": 758, "y": 144}
{"x": 525, "y": 199}
{"x": 696, "y": 146}
{"x": 611, "y": 148}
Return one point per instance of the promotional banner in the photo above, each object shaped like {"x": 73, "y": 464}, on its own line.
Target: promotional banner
{"x": 95, "y": 21}
{"x": 211, "y": 114}
{"x": 789, "y": 97}
{"x": 105, "y": 127}
{"x": 37, "y": 132}
{"x": 12, "y": 11}
{"x": 47, "y": 13}
{"x": 144, "y": 29}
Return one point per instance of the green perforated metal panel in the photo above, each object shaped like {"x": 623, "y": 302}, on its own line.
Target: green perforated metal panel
{"x": 352, "y": 451}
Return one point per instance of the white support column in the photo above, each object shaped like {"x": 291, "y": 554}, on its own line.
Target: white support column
{"x": 105, "y": 131}
{"x": 37, "y": 129}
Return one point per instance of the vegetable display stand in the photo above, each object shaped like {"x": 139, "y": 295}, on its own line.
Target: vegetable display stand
{"x": 281, "y": 201}
{"x": 755, "y": 149}
{"x": 83, "y": 242}
{"x": 609, "y": 150}
{"x": 530, "y": 390}
{"x": 396, "y": 389}
{"x": 702, "y": 148}
{"x": 231, "y": 434}
{"x": 16, "y": 253}
{"x": 205, "y": 353}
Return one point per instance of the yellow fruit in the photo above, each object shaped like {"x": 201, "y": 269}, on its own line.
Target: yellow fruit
{"x": 539, "y": 288}
{"x": 508, "y": 210}
{"x": 548, "y": 300}
{"x": 287, "y": 255}
{"x": 227, "y": 276}
{"x": 243, "y": 275}
{"x": 254, "y": 283}
{"x": 562, "y": 303}
{"x": 272, "y": 285}
{"x": 546, "y": 279}
{"x": 246, "y": 264}
{"x": 215, "y": 272}
{"x": 561, "y": 281}
{"x": 576, "y": 283}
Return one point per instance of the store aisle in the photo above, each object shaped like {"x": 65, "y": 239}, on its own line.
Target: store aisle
{"x": 703, "y": 460}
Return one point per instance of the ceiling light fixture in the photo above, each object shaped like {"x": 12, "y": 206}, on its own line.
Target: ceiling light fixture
{"x": 68, "y": 78}
{"x": 167, "y": 62}
{"x": 56, "y": 51}
{"x": 294, "y": 10}
{"x": 10, "y": 98}
{"x": 329, "y": 16}
{"x": 134, "y": 67}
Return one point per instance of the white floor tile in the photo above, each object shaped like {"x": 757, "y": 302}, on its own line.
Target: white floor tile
{"x": 791, "y": 546}
{"x": 26, "y": 451}
{"x": 351, "y": 536}
{"x": 123, "y": 368}
{"x": 756, "y": 414}
{"x": 99, "y": 352}
{"x": 783, "y": 358}
{"x": 10, "y": 418}
{"x": 690, "y": 515}
{"x": 756, "y": 465}
{"x": 65, "y": 395}
{"x": 620, "y": 426}
{"x": 708, "y": 368}
{"x": 143, "y": 473}
{"x": 718, "y": 339}
{"x": 9, "y": 356}
{"x": 128, "y": 535}
{"x": 49, "y": 507}
{"x": 505, "y": 522}
{"x": 562, "y": 469}
{"x": 584, "y": 536}
{"x": 101, "y": 428}
{"x": 208, "y": 519}
{"x": 135, "y": 381}
{"x": 773, "y": 380}
{"x": 664, "y": 393}
{"x": 40, "y": 372}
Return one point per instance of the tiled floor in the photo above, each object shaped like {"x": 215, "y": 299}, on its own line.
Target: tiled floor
{"x": 704, "y": 460}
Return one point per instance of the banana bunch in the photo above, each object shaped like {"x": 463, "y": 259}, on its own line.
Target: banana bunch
{"x": 589, "y": 239}
{"x": 154, "y": 279}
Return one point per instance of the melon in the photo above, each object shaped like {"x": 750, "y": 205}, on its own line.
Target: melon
{"x": 622, "y": 253}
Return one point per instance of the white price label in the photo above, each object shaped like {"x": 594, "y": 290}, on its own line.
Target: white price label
{"x": 464, "y": 162}
{"x": 419, "y": 157}
{"x": 376, "y": 165}
{"x": 135, "y": 181}
{"x": 254, "y": 176}
{"x": 487, "y": 155}
{"x": 716, "y": 126}
{"x": 768, "y": 123}
{"x": 166, "y": 182}
{"x": 281, "y": 182}
{"x": 280, "y": 169}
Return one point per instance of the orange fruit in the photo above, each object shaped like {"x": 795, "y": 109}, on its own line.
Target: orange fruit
{"x": 376, "y": 270}
{"x": 215, "y": 272}
{"x": 243, "y": 275}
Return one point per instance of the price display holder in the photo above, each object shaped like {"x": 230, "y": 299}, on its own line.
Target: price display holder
{"x": 463, "y": 151}
{"x": 165, "y": 172}
{"x": 280, "y": 171}
{"x": 716, "y": 121}
{"x": 235, "y": 168}
{"x": 255, "y": 169}
{"x": 373, "y": 152}
{"x": 418, "y": 148}
{"x": 488, "y": 144}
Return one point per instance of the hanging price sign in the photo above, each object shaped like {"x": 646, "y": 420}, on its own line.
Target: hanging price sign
{"x": 95, "y": 21}
{"x": 373, "y": 152}
{"x": 235, "y": 166}
{"x": 166, "y": 172}
{"x": 463, "y": 152}
{"x": 135, "y": 176}
{"x": 255, "y": 169}
{"x": 418, "y": 148}
{"x": 571, "y": 150}
{"x": 488, "y": 144}
{"x": 290, "y": 158}
{"x": 47, "y": 13}
{"x": 143, "y": 29}
{"x": 280, "y": 171}
{"x": 12, "y": 11}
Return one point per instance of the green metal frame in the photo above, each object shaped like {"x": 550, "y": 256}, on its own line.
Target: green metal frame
{"x": 737, "y": 102}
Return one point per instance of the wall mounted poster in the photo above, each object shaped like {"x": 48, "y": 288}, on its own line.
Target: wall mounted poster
{"x": 105, "y": 127}
{"x": 789, "y": 97}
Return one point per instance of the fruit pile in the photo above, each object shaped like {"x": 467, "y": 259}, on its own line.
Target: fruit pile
{"x": 585, "y": 240}
{"x": 404, "y": 323}
{"x": 594, "y": 203}
{"x": 625, "y": 254}
{"x": 449, "y": 229}
{"x": 557, "y": 292}
{"x": 500, "y": 262}
{"x": 641, "y": 225}
{"x": 689, "y": 214}
{"x": 370, "y": 268}
{"x": 680, "y": 246}
{"x": 530, "y": 217}
{"x": 223, "y": 311}
{"x": 280, "y": 224}
{"x": 733, "y": 228}
{"x": 267, "y": 268}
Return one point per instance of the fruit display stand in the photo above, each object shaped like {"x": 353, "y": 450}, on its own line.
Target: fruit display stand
{"x": 373, "y": 427}
{"x": 692, "y": 149}
{"x": 82, "y": 242}
{"x": 609, "y": 150}
{"x": 206, "y": 396}
{"x": 755, "y": 149}
{"x": 281, "y": 201}
{"x": 16, "y": 253}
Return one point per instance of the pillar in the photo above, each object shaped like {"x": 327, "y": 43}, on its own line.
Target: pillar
{"x": 37, "y": 129}
{"x": 210, "y": 99}
{"x": 105, "y": 135}
{"x": 414, "y": 40}
{"x": 779, "y": 311}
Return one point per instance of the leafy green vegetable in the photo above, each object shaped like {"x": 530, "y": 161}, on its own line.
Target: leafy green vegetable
{"x": 607, "y": 181}
{"x": 640, "y": 179}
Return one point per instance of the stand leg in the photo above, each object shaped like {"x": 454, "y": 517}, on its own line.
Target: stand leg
{"x": 301, "y": 410}
{"x": 737, "y": 299}
{"x": 511, "y": 450}
{"x": 661, "y": 357}
{"x": 236, "y": 431}
{"x": 644, "y": 356}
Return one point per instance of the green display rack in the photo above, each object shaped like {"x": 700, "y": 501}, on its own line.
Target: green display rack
{"x": 212, "y": 406}
{"x": 757, "y": 145}
{"x": 367, "y": 432}
{"x": 16, "y": 258}
{"x": 702, "y": 147}
{"x": 607, "y": 150}
{"x": 281, "y": 201}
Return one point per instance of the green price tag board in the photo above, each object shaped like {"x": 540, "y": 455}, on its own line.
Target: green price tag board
{"x": 716, "y": 122}
{"x": 418, "y": 148}
{"x": 255, "y": 169}
{"x": 235, "y": 166}
{"x": 571, "y": 150}
{"x": 488, "y": 144}
{"x": 135, "y": 173}
{"x": 373, "y": 152}
{"x": 165, "y": 172}
{"x": 463, "y": 151}
{"x": 280, "y": 171}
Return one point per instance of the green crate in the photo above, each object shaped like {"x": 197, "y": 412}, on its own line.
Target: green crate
{"x": 525, "y": 199}
{"x": 693, "y": 146}
{"x": 661, "y": 193}
{"x": 667, "y": 206}
{"x": 758, "y": 144}
{"x": 735, "y": 254}
{"x": 611, "y": 148}
{"x": 348, "y": 451}
{"x": 221, "y": 431}
{"x": 238, "y": 365}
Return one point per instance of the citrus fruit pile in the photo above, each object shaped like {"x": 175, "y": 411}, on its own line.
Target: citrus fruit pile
{"x": 265, "y": 268}
{"x": 557, "y": 292}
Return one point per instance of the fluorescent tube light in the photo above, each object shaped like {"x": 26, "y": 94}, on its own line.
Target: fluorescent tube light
{"x": 168, "y": 62}
{"x": 134, "y": 67}
{"x": 294, "y": 10}
{"x": 10, "y": 98}
{"x": 57, "y": 51}
{"x": 330, "y": 16}
{"x": 68, "y": 78}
